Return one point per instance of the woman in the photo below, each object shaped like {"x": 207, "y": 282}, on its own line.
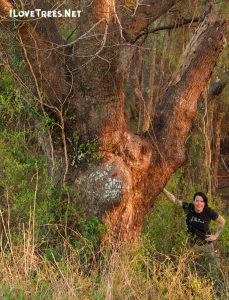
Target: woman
{"x": 198, "y": 218}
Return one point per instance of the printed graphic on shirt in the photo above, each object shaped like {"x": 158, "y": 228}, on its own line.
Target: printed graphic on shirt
{"x": 197, "y": 220}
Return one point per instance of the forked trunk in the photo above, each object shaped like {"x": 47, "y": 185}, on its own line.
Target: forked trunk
{"x": 83, "y": 88}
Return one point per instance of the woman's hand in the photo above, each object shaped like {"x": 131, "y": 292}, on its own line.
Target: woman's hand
{"x": 211, "y": 237}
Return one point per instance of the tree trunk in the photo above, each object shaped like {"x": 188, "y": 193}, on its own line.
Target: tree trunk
{"x": 87, "y": 100}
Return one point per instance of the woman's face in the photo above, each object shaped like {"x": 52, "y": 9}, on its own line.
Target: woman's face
{"x": 199, "y": 204}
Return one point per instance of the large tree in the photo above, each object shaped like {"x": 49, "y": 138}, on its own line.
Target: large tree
{"x": 80, "y": 84}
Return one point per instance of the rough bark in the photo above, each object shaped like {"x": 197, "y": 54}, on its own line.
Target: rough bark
{"x": 144, "y": 14}
{"x": 88, "y": 99}
{"x": 200, "y": 57}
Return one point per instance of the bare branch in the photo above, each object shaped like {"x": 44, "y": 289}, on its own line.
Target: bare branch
{"x": 145, "y": 13}
{"x": 174, "y": 25}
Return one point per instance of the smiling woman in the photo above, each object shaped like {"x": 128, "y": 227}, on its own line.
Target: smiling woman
{"x": 198, "y": 218}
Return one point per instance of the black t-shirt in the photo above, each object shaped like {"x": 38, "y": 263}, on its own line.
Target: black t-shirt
{"x": 198, "y": 223}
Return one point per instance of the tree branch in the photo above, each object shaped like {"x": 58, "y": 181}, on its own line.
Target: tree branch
{"x": 144, "y": 15}
{"x": 37, "y": 38}
{"x": 178, "y": 24}
{"x": 177, "y": 108}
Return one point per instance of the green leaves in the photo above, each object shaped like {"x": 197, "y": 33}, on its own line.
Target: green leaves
{"x": 83, "y": 152}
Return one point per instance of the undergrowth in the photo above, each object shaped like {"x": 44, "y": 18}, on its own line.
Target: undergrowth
{"x": 130, "y": 272}
{"x": 50, "y": 250}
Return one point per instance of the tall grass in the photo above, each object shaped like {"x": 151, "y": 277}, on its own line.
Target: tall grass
{"x": 74, "y": 267}
{"x": 129, "y": 272}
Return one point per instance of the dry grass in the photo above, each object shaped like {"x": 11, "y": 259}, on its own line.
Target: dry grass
{"x": 132, "y": 272}
{"x": 124, "y": 274}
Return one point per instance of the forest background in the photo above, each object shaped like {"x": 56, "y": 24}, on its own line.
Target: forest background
{"x": 52, "y": 244}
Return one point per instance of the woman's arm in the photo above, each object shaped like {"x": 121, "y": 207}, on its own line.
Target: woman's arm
{"x": 171, "y": 197}
{"x": 212, "y": 237}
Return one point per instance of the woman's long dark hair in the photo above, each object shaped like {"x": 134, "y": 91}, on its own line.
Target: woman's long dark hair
{"x": 203, "y": 196}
